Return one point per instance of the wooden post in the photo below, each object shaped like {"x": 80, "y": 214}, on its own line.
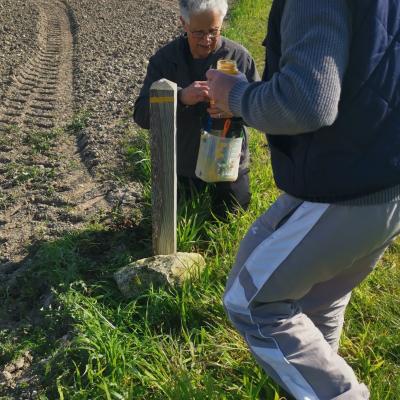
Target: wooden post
{"x": 163, "y": 96}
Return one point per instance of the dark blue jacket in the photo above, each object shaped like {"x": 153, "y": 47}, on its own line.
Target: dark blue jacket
{"x": 360, "y": 153}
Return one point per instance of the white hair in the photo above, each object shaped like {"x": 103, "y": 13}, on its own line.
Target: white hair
{"x": 191, "y": 7}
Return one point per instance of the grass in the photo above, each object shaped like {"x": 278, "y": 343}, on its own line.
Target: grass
{"x": 247, "y": 24}
{"x": 172, "y": 343}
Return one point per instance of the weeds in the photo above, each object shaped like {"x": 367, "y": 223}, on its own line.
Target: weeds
{"x": 20, "y": 174}
{"x": 41, "y": 141}
{"x": 5, "y": 200}
{"x": 13, "y": 129}
{"x": 79, "y": 122}
{"x": 136, "y": 150}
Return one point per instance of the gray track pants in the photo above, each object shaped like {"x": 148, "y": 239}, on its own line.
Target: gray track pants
{"x": 292, "y": 280}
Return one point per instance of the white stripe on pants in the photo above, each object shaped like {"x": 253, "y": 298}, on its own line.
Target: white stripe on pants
{"x": 292, "y": 280}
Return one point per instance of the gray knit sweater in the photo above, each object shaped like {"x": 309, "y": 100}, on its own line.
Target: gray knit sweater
{"x": 304, "y": 95}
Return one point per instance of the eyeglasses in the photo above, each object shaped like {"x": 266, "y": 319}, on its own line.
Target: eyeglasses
{"x": 213, "y": 33}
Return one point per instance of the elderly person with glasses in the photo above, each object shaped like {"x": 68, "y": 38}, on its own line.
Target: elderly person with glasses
{"x": 185, "y": 61}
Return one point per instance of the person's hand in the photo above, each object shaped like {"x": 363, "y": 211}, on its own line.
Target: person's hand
{"x": 220, "y": 85}
{"x": 216, "y": 112}
{"x": 194, "y": 93}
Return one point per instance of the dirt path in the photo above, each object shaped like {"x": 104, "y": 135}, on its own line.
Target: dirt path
{"x": 45, "y": 188}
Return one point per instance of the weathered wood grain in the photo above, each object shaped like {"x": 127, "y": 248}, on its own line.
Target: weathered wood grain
{"x": 163, "y": 97}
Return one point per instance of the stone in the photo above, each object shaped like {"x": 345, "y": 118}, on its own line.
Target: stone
{"x": 7, "y": 375}
{"x": 159, "y": 271}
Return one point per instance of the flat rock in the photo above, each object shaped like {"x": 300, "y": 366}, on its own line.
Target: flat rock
{"x": 159, "y": 271}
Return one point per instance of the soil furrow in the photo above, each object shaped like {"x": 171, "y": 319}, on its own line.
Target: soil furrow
{"x": 36, "y": 105}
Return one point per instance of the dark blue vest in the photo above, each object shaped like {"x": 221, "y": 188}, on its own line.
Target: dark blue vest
{"x": 360, "y": 153}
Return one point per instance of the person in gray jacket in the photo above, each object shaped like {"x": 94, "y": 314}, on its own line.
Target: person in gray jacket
{"x": 185, "y": 60}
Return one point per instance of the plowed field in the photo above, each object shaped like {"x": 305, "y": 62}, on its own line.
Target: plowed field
{"x": 69, "y": 74}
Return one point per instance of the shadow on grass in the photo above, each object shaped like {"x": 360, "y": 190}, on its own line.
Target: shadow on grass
{"x": 91, "y": 255}
{"x": 34, "y": 319}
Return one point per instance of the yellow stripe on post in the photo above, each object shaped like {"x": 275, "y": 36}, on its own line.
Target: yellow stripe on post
{"x": 157, "y": 100}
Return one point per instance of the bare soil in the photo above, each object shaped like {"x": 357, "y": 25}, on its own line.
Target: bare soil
{"x": 60, "y": 59}
{"x": 70, "y": 71}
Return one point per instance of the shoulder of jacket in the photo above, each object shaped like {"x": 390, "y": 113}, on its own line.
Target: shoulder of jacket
{"x": 170, "y": 51}
{"x": 232, "y": 46}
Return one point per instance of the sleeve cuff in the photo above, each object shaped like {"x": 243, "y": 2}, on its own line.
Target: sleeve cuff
{"x": 235, "y": 97}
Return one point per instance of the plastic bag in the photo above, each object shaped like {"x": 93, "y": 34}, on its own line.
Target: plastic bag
{"x": 218, "y": 158}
